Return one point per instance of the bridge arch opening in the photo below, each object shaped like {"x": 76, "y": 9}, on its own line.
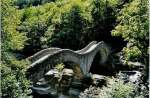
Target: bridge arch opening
{"x": 101, "y": 68}
{"x": 95, "y": 63}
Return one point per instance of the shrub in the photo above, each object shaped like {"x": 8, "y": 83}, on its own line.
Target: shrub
{"x": 114, "y": 89}
{"x": 59, "y": 67}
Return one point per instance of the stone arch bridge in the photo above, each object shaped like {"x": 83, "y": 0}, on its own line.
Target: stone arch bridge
{"x": 46, "y": 59}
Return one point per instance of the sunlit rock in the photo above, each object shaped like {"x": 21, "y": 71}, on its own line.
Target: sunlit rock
{"x": 67, "y": 72}
{"x": 66, "y": 78}
{"x": 98, "y": 80}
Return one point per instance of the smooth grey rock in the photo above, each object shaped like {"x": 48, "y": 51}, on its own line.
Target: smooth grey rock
{"x": 52, "y": 72}
{"x": 67, "y": 72}
{"x": 66, "y": 78}
{"x": 98, "y": 80}
{"x": 52, "y": 76}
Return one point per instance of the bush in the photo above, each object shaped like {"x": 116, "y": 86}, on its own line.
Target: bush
{"x": 114, "y": 89}
{"x": 60, "y": 67}
{"x": 13, "y": 80}
{"x": 133, "y": 27}
{"x": 14, "y": 83}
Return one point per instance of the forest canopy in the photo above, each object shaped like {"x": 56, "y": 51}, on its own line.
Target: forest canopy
{"x": 28, "y": 26}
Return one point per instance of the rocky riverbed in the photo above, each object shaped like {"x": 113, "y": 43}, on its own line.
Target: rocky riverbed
{"x": 64, "y": 84}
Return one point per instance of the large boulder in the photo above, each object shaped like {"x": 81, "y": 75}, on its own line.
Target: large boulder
{"x": 66, "y": 78}
{"x": 67, "y": 72}
{"x": 98, "y": 80}
{"x": 53, "y": 73}
{"x": 53, "y": 78}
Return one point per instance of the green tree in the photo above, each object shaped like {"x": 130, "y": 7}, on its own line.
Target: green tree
{"x": 73, "y": 23}
{"x": 133, "y": 27}
{"x": 14, "y": 83}
{"x": 35, "y": 22}
{"x": 103, "y": 15}
{"x": 67, "y": 24}
{"x": 58, "y": 24}
{"x": 115, "y": 89}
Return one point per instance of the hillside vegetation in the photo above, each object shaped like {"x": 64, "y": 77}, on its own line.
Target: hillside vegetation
{"x": 29, "y": 26}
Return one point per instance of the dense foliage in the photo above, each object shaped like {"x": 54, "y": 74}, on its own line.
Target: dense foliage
{"x": 133, "y": 27}
{"x": 29, "y": 26}
{"x": 115, "y": 89}
{"x": 14, "y": 83}
{"x": 54, "y": 24}
{"x": 67, "y": 24}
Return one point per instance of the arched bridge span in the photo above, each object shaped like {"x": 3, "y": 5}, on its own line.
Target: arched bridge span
{"x": 46, "y": 59}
